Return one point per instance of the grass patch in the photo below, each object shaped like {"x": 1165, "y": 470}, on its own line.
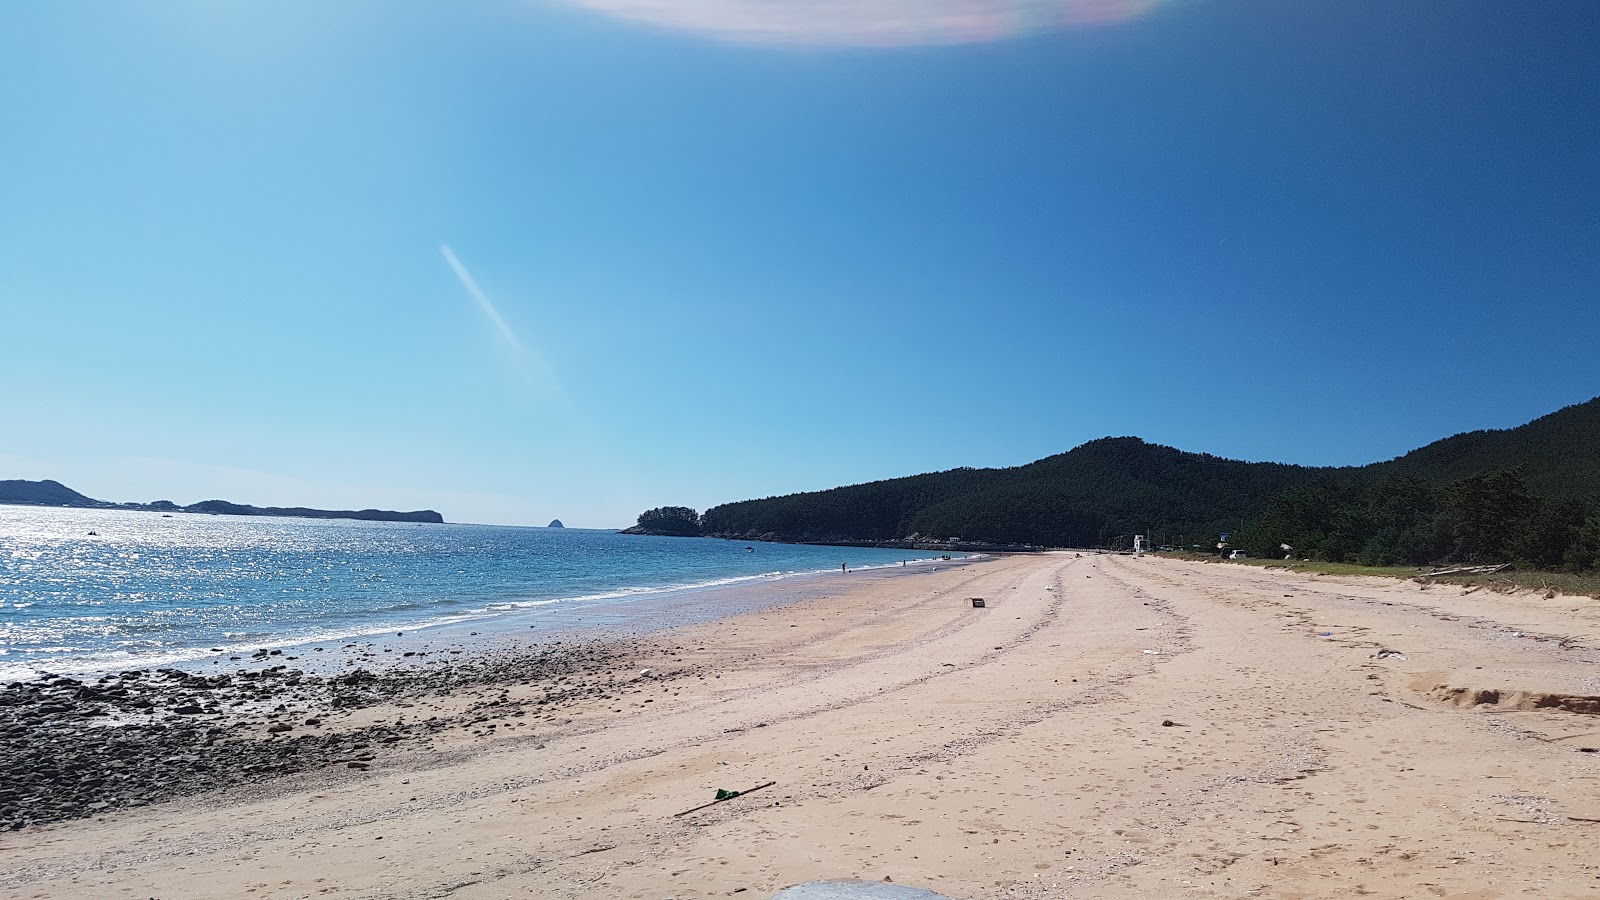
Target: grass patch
{"x": 1582, "y": 585}
{"x": 1509, "y": 581}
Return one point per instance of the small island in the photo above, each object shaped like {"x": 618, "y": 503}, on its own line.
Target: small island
{"x": 555, "y": 523}
{"x": 54, "y": 493}
{"x": 672, "y": 521}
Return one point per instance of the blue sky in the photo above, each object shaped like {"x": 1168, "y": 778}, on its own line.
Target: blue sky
{"x": 727, "y": 248}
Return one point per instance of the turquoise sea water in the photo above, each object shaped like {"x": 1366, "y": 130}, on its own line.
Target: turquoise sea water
{"x": 146, "y": 589}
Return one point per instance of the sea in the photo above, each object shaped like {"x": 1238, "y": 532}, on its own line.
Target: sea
{"x": 90, "y": 590}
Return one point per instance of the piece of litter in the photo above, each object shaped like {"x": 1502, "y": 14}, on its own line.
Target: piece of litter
{"x": 1153, "y": 652}
{"x": 725, "y": 795}
{"x": 1389, "y": 654}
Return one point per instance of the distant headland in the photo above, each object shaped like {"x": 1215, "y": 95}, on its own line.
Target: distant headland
{"x": 54, "y": 493}
{"x": 1528, "y": 495}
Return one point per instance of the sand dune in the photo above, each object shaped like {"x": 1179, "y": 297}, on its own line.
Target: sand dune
{"x": 1105, "y": 727}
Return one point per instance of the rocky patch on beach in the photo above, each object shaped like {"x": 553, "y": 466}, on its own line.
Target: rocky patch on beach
{"x": 74, "y": 747}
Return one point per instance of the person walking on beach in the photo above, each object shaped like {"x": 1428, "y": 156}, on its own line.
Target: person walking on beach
{"x": 844, "y": 567}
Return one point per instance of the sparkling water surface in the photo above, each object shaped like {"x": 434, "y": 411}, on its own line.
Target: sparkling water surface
{"x": 146, "y": 589}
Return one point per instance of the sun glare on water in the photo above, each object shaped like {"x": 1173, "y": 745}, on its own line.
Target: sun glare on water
{"x": 871, "y": 23}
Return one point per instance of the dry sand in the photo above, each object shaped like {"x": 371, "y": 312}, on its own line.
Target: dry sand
{"x": 1014, "y": 751}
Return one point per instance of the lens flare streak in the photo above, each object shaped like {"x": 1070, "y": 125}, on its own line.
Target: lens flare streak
{"x": 871, "y": 23}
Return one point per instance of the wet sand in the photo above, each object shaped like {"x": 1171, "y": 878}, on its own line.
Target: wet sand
{"x": 84, "y": 743}
{"x": 1105, "y": 727}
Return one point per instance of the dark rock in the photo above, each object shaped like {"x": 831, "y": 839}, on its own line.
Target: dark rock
{"x": 52, "y": 768}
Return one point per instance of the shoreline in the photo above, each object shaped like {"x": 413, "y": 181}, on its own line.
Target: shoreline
{"x": 1104, "y": 727}
{"x": 249, "y": 714}
{"x": 610, "y": 612}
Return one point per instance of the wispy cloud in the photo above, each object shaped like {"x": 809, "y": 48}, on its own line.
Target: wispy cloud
{"x": 872, "y": 23}
{"x": 471, "y": 284}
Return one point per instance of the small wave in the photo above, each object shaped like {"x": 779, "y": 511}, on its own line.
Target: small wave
{"x": 179, "y": 613}
{"x": 66, "y": 660}
{"x": 509, "y": 605}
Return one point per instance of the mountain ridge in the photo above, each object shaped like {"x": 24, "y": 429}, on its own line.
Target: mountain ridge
{"x": 1114, "y": 487}
{"x": 48, "y": 492}
{"x": 1561, "y": 451}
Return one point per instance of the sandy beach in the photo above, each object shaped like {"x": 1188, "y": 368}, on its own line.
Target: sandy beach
{"x": 1104, "y": 727}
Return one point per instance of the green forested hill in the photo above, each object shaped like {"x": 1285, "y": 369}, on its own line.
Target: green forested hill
{"x": 1105, "y": 489}
{"x": 1087, "y": 496}
{"x": 1542, "y": 477}
{"x": 1560, "y": 454}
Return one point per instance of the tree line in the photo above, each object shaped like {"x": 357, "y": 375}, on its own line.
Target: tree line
{"x": 1529, "y": 495}
{"x": 1490, "y": 517}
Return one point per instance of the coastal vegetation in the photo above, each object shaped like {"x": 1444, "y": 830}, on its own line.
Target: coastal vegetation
{"x": 1487, "y": 517}
{"x": 1528, "y": 495}
{"x": 1096, "y": 494}
{"x": 674, "y": 521}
